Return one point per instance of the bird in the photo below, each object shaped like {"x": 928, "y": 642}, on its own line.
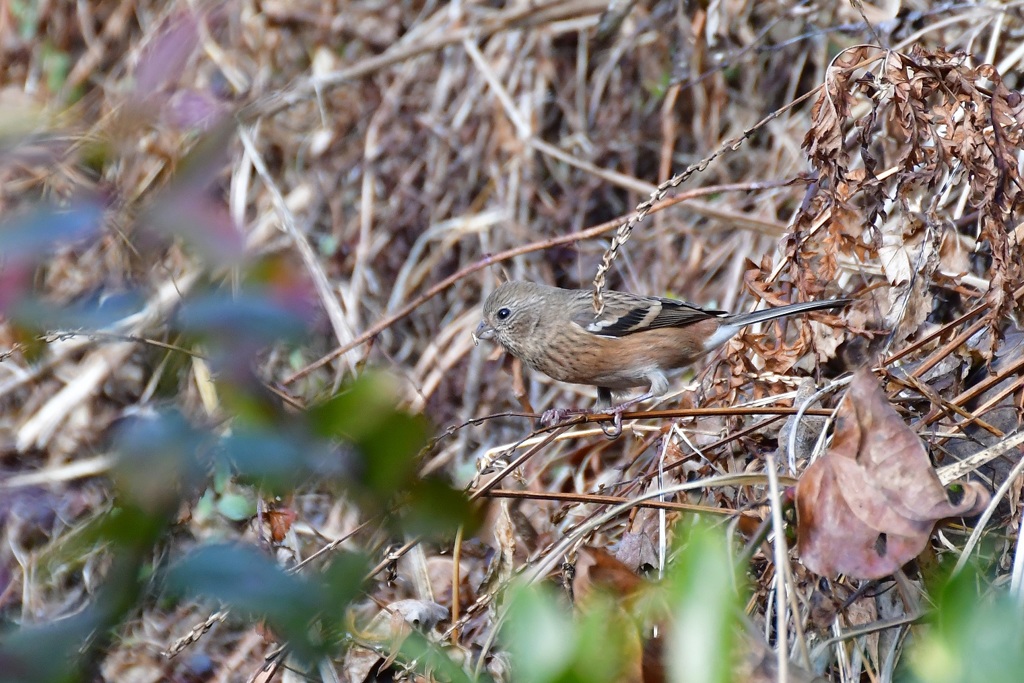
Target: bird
{"x": 635, "y": 341}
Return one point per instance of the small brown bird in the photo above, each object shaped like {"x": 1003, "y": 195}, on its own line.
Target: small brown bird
{"x": 634, "y": 343}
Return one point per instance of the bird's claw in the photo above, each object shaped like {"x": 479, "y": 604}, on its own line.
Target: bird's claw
{"x": 615, "y": 430}
{"x": 553, "y": 416}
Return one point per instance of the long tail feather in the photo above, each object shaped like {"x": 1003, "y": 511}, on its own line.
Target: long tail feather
{"x": 744, "y": 319}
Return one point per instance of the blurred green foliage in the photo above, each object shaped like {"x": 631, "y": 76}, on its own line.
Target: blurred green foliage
{"x": 968, "y": 636}
{"x": 695, "y": 610}
{"x": 358, "y": 445}
{"x": 307, "y": 612}
{"x": 548, "y": 644}
{"x": 703, "y": 591}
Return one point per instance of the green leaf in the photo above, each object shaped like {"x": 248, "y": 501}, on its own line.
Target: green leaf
{"x": 343, "y": 578}
{"x": 389, "y": 452}
{"x": 56, "y": 64}
{"x": 549, "y": 645}
{"x": 236, "y": 507}
{"x": 359, "y": 410}
{"x": 250, "y": 317}
{"x": 705, "y": 609}
{"x": 48, "y": 226}
{"x": 387, "y": 439}
{"x": 974, "y": 637}
{"x": 540, "y": 634}
{"x": 160, "y": 462}
{"x": 88, "y": 314}
{"x": 50, "y": 653}
{"x": 252, "y": 583}
{"x": 204, "y": 508}
{"x": 436, "y": 509}
{"x": 277, "y": 460}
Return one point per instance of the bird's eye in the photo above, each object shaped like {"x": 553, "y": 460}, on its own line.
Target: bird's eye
{"x": 503, "y": 313}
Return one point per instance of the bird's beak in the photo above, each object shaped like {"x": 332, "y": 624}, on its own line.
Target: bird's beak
{"x": 483, "y": 331}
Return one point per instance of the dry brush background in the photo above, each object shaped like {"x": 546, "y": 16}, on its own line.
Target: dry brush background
{"x": 394, "y": 160}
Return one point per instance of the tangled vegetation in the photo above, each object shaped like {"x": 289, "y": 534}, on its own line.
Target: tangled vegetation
{"x": 247, "y": 434}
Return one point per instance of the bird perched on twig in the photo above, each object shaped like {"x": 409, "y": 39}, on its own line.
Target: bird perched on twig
{"x": 635, "y": 342}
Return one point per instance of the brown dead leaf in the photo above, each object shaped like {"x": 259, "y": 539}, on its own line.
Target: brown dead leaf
{"x": 867, "y": 507}
{"x": 280, "y": 520}
{"x": 863, "y": 613}
{"x": 599, "y": 569}
{"x": 759, "y": 664}
{"x": 636, "y": 549}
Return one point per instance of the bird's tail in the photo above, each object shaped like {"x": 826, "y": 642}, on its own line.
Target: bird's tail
{"x": 744, "y": 319}
{"x": 731, "y": 324}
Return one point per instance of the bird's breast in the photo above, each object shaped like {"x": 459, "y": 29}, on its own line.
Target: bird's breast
{"x": 618, "y": 363}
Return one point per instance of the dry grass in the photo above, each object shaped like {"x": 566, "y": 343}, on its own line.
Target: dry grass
{"x": 403, "y": 157}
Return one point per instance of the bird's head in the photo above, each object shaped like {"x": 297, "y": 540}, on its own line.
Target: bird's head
{"x": 511, "y": 313}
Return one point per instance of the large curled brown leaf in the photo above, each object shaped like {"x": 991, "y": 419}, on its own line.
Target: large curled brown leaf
{"x": 867, "y": 507}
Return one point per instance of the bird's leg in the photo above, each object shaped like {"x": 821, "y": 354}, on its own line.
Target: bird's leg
{"x": 658, "y": 387}
{"x": 604, "y": 401}
{"x": 621, "y": 407}
{"x": 616, "y": 412}
{"x": 605, "y": 404}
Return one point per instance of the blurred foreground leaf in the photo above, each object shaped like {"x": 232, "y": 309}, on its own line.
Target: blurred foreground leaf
{"x": 436, "y": 508}
{"x": 192, "y": 207}
{"x": 701, "y": 643}
{"x": 94, "y": 313}
{"x": 970, "y": 637}
{"x": 277, "y": 460}
{"x": 46, "y": 227}
{"x": 244, "y": 320}
{"x": 305, "y": 611}
{"x": 387, "y": 439}
{"x": 50, "y": 653}
{"x": 549, "y": 644}
{"x": 160, "y": 461}
{"x": 695, "y": 610}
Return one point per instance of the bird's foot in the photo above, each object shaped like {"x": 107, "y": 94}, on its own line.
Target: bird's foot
{"x": 614, "y": 430}
{"x": 553, "y": 416}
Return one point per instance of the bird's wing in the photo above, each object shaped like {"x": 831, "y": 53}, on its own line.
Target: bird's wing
{"x": 626, "y": 313}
